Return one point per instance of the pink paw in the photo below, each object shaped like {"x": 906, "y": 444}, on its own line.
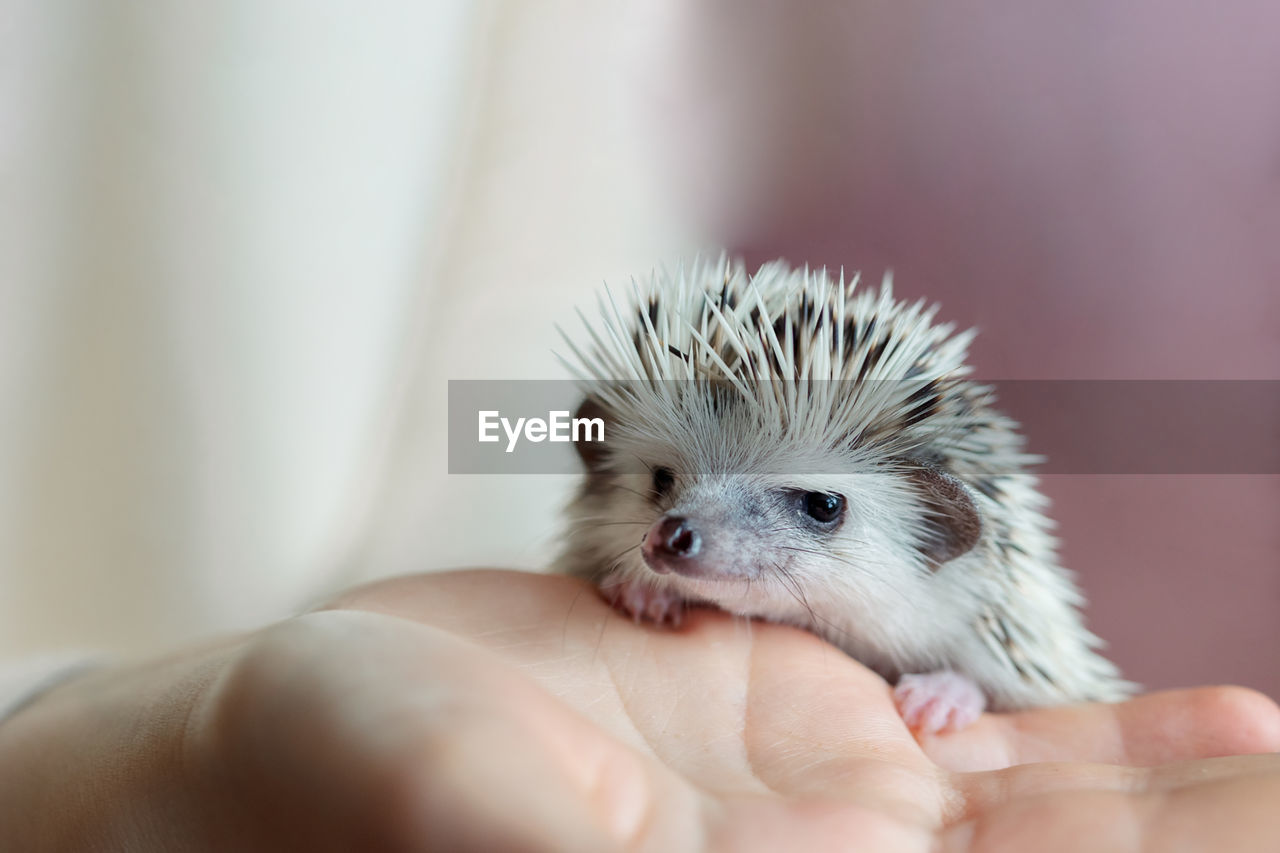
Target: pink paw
{"x": 938, "y": 701}
{"x": 643, "y": 601}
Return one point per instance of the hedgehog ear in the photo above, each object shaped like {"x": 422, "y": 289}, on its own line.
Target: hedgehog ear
{"x": 592, "y": 453}
{"x": 952, "y": 525}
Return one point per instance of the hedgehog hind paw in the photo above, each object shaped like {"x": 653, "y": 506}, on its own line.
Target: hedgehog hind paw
{"x": 936, "y": 702}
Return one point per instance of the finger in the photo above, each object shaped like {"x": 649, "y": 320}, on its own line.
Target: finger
{"x": 770, "y": 824}
{"x": 472, "y": 600}
{"x": 1213, "y": 804}
{"x": 529, "y": 772}
{"x": 1155, "y": 729}
{"x": 355, "y": 724}
{"x": 492, "y": 785}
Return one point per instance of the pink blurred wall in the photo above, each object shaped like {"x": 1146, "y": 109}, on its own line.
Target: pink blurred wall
{"x": 1095, "y": 185}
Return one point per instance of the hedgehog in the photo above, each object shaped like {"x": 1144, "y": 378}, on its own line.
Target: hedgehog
{"x": 791, "y": 447}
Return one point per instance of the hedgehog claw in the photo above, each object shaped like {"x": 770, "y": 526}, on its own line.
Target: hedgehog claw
{"x": 936, "y": 702}
{"x": 646, "y": 603}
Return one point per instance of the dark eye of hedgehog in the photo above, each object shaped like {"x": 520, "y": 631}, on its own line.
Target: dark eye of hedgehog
{"x": 663, "y": 480}
{"x": 824, "y": 508}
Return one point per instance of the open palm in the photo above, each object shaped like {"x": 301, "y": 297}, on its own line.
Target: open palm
{"x": 498, "y": 710}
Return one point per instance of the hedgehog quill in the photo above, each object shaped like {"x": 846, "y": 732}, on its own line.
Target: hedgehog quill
{"x": 791, "y": 447}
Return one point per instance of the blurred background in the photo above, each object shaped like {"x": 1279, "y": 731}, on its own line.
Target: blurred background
{"x": 244, "y": 245}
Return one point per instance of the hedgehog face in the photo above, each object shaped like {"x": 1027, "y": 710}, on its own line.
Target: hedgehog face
{"x": 753, "y": 534}
{"x": 725, "y": 527}
{"x": 780, "y": 438}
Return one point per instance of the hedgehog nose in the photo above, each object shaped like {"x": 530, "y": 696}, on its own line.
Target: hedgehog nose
{"x": 670, "y": 540}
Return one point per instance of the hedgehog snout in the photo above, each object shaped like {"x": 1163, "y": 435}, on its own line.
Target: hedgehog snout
{"x": 672, "y": 545}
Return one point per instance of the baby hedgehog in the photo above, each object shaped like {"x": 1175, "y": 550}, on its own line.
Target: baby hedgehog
{"x": 787, "y": 447}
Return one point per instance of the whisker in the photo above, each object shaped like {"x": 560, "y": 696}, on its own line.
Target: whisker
{"x": 616, "y": 561}
{"x": 649, "y": 497}
{"x": 640, "y": 459}
{"x": 797, "y": 529}
{"x": 590, "y": 523}
{"x": 610, "y": 565}
{"x": 792, "y": 584}
{"x": 596, "y": 518}
{"x": 861, "y": 567}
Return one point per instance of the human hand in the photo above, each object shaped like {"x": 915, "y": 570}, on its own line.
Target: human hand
{"x": 496, "y": 710}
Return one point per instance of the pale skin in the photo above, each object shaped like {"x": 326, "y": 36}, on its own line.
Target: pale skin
{"x": 494, "y": 710}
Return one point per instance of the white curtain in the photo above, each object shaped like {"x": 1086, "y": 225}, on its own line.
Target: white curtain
{"x": 244, "y": 245}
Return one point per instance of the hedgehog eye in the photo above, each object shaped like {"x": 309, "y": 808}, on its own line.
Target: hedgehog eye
{"x": 663, "y": 480}
{"x": 823, "y": 507}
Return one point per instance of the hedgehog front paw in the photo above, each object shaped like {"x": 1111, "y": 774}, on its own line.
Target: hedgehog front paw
{"x": 938, "y": 701}
{"x": 646, "y": 602}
